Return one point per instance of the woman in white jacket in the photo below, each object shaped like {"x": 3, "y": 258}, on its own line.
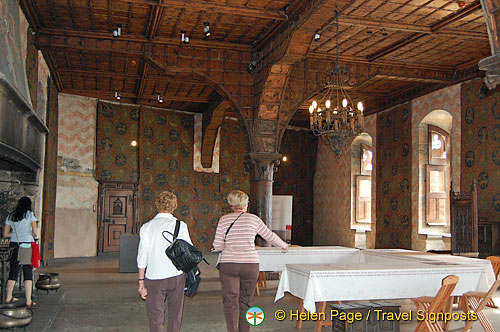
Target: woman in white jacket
{"x": 158, "y": 277}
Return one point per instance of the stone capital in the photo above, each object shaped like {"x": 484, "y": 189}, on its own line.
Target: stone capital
{"x": 262, "y": 165}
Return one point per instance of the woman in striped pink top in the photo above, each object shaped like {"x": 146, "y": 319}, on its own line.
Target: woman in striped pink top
{"x": 239, "y": 261}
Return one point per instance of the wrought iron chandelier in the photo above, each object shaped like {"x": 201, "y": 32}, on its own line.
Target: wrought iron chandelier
{"x": 332, "y": 115}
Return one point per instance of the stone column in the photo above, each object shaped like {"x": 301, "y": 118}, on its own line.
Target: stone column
{"x": 262, "y": 167}
{"x": 491, "y": 10}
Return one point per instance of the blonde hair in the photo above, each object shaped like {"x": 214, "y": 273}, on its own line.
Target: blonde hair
{"x": 166, "y": 201}
{"x": 237, "y": 199}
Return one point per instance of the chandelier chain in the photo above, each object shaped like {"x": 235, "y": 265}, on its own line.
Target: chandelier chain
{"x": 337, "y": 124}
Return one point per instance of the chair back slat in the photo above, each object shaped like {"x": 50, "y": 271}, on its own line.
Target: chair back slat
{"x": 443, "y": 296}
{"x": 495, "y": 262}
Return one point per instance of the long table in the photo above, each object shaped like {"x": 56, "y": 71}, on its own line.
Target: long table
{"x": 273, "y": 259}
{"x": 376, "y": 275}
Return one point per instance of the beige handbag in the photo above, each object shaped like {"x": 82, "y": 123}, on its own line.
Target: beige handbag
{"x": 24, "y": 253}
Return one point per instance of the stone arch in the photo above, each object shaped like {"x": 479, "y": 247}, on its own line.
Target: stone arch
{"x": 214, "y": 114}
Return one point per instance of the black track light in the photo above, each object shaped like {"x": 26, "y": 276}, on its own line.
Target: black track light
{"x": 251, "y": 66}
{"x": 117, "y": 95}
{"x": 159, "y": 98}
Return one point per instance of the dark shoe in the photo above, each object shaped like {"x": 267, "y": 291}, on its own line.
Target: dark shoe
{"x": 33, "y": 305}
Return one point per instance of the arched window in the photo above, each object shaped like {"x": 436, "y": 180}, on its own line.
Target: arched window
{"x": 437, "y": 177}
{"x": 361, "y": 182}
{"x": 364, "y": 186}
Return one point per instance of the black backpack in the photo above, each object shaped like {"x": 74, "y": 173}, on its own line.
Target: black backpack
{"x": 183, "y": 255}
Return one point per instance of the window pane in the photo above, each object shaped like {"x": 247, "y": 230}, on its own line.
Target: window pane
{"x": 365, "y": 188}
{"x": 438, "y": 145}
{"x": 366, "y": 162}
{"x": 437, "y": 183}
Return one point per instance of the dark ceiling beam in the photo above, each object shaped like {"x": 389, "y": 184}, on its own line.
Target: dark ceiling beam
{"x": 49, "y": 59}
{"x": 464, "y": 12}
{"x": 142, "y": 83}
{"x": 471, "y": 8}
{"x": 31, "y": 14}
{"x": 353, "y": 60}
{"x": 415, "y": 28}
{"x": 113, "y": 74}
{"x": 217, "y": 8}
{"x": 132, "y": 96}
{"x": 154, "y": 21}
{"x": 141, "y": 39}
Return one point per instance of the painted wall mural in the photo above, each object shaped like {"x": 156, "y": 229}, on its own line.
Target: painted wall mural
{"x": 481, "y": 148}
{"x": 117, "y": 127}
{"x": 295, "y": 177}
{"x": 165, "y": 162}
{"x": 394, "y": 178}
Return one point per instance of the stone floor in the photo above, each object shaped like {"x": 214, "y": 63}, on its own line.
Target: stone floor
{"x": 95, "y": 297}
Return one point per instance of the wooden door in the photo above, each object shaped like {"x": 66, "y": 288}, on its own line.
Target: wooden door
{"x": 117, "y": 214}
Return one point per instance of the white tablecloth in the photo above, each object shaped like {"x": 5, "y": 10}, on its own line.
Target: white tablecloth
{"x": 374, "y": 275}
{"x": 272, "y": 259}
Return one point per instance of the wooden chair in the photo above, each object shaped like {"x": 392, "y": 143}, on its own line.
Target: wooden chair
{"x": 495, "y": 262}
{"x": 440, "y": 303}
{"x": 476, "y": 301}
{"x": 261, "y": 283}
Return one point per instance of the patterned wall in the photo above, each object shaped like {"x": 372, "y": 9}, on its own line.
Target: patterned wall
{"x": 332, "y": 197}
{"x": 295, "y": 177}
{"x": 394, "y": 178}
{"x": 165, "y": 162}
{"x": 50, "y": 174}
{"x": 117, "y": 127}
{"x": 481, "y": 147}
{"x": 233, "y": 175}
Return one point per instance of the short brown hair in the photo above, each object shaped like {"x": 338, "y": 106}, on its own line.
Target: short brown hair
{"x": 237, "y": 199}
{"x": 166, "y": 201}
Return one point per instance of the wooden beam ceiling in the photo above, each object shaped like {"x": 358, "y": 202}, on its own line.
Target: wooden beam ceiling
{"x": 133, "y": 96}
{"x": 216, "y": 7}
{"x": 469, "y": 9}
{"x": 395, "y": 26}
{"x": 49, "y": 32}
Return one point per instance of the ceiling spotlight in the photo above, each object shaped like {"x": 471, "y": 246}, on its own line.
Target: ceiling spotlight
{"x": 206, "y": 29}
{"x": 118, "y": 31}
{"x": 461, "y": 3}
{"x": 317, "y": 36}
{"x": 251, "y": 66}
{"x": 133, "y": 143}
{"x": 159, "y": 98}
{"x": 117, "y": 95}
{"x": 184, "y": 38}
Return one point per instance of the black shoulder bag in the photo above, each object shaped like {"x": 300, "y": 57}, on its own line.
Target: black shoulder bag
{"x": 183, "y": 255}
{"x": 225, "y": 235}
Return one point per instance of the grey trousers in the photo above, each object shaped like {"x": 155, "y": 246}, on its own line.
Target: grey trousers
{"x": 238, "y": 287}
{"x": 173, "y": 290}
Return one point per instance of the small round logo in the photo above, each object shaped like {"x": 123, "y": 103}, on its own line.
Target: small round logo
{"x": 255, "y": 316}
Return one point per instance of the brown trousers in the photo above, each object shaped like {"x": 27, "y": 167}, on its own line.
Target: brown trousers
{"x": 238, "y": 287}
{"x": 173, "y": 290}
